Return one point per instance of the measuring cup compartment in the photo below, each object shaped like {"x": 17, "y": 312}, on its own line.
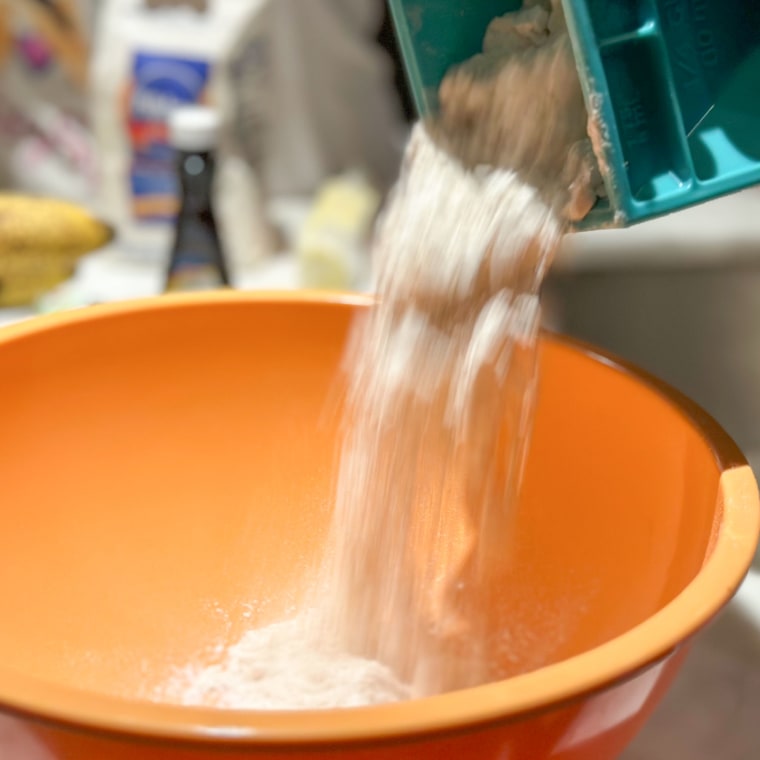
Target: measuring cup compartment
{"x": 672, "y": 88}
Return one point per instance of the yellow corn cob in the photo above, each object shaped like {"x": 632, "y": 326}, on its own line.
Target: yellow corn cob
{"x": 40, "y": 242}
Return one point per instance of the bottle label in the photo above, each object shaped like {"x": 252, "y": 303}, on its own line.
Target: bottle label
{"x": 194, "y": 276}
{"x": 159, "y": 84}
{"x": 197, "y": 261}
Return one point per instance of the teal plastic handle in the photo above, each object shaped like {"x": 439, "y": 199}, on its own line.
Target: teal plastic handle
{"x": 673, "y": 86}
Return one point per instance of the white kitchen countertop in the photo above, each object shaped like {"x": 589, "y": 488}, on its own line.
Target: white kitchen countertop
{"x": 725, "y": 229}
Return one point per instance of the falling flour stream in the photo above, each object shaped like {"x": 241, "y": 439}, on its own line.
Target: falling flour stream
{"x": 441, "y": 378}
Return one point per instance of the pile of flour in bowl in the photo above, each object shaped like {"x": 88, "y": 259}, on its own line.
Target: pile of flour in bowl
{"x": 441, "y": 379}
{"x": 282, "y": 667}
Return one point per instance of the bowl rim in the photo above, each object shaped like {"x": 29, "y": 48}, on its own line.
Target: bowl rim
{"x": 547, "y": 688}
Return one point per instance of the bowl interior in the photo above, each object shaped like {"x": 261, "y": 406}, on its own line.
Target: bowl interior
{"x": 167, "y": 474}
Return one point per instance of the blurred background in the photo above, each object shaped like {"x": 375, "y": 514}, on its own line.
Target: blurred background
{"x": 314, "y": 113}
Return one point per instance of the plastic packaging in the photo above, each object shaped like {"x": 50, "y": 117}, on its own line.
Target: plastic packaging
{"x": 151, "y": 57}
{"x": 332, "y": 246}
{"x": 324, "y": 102}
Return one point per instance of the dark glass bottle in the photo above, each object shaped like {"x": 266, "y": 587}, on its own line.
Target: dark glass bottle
{"x": 197, "y": 260}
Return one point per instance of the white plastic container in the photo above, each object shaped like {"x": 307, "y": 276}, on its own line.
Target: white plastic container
{"x": 147, "y": 61}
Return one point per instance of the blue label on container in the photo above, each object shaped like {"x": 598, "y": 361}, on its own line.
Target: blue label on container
{"x": 159, "y": 85}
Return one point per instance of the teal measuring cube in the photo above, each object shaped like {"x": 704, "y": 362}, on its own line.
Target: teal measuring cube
{"x": 672, "y": 85}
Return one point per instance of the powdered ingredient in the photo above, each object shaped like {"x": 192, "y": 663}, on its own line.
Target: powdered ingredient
{"x": 269, "y": 670}
{"x": 442, "y": 376}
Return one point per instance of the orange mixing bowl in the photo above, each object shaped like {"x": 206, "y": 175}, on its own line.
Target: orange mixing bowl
{"x": 167, "y": 468}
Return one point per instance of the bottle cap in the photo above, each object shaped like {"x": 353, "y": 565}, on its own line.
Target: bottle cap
{"x": 194, "y": 128}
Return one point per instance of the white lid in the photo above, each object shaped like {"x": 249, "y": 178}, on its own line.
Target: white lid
{"x": 193, "y": 128}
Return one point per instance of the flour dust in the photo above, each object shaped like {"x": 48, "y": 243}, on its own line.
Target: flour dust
{"x": 441, "y": 384}
{"x": 281, "y": 667}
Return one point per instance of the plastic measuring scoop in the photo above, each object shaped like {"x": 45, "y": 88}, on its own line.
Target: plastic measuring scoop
{"x": 672, "y": 85}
